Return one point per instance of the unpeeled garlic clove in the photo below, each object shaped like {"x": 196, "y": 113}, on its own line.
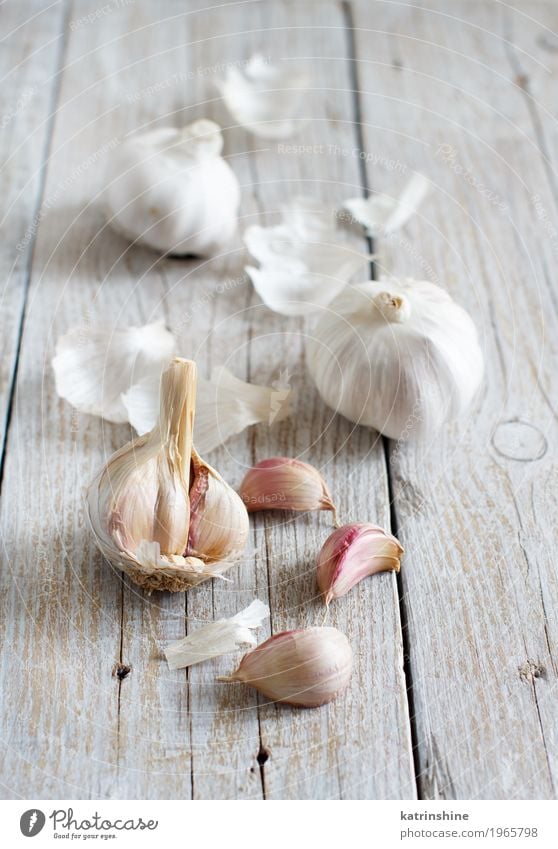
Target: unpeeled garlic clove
{"x": 305, "y": 668}
{"x": 282, "y": 483}
{"x": 353, "y": 552}
{"x": 158, "y": 511}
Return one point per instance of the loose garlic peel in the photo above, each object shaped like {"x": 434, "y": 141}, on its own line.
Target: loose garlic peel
{"x": 218, "y": 638}
{"x": 158, "y": 511}
{"x": 398, "y": 355}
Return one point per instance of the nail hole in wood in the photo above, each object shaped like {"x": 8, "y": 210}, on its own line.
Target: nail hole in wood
{"x": 121, "y": 671}
{"x": 263, "y": 756}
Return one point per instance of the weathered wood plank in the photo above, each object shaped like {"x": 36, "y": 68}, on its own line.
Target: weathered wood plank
{"x": 149, "y": 735}
{"x": 475, "y": 509}
{"x": 367, "y": 754}
{"x": 31, "y": 54}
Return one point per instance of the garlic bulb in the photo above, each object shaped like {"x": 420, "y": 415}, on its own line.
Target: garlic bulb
{"x": 353, "y": 552}
{"x": 158, "y": 511}
{"x": 305, "y": 668}
{"x": 265, "y": 98}
{"x": 283, "y": 483}
{"x": 305, "y": 262}
{"x": 398, "y": 355}
{"x": 171, "y": 190}
{"x": 218, "y": 638}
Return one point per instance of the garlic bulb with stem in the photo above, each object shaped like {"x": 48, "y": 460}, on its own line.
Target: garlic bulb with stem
{"x": 284, "y": 483}
{"x": 171, "y": 190}
{"x": 397, "y": 355}
{"x": 158, "y": 511}
{"x": 305, "y": 668}
{"x": 353, "y": 552}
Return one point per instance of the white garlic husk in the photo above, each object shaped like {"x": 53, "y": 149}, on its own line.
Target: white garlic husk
{"x": 265, "y": 98}
{"x": 158, "y": 511}
{"x": 397, "y": 355}
{"x": 305, "y": 261}
{"x": 95, "y": 366}
{"x": 171, "y": 190}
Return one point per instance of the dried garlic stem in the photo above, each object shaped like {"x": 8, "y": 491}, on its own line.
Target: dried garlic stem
{"x": 176, "y": 426}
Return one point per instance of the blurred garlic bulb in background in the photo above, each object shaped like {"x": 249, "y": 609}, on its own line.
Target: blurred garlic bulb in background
{"x": 398, "y": 355}
{"x": 158, "y": 511}
{"x": 265, "y": 98}
{"x": 171, "y": 190}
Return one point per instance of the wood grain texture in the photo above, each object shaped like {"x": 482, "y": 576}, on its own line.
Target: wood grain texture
{"x": 458, "y": 92}
{"x": 71, "y": 727}
{"x": 30, "y": 58}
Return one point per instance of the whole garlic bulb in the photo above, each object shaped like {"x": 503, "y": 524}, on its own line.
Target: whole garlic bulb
{"x": 171, "y": 190}
{"x": 158, "y": 511}
{"x": 398, "y": 355}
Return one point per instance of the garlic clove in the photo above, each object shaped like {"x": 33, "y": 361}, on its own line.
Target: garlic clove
{"x": 382, "y": 214}
{"x": 92, "y": 367}
{"x": 157, "y": 510}
{"x": 283, "y": 483}
{"x": 265, "y": 98}
{"x": 304, "y": 668}
{"x": 304, "y": 262}
{"x": 226, "y": 406}
{"x": 397, "y": 355}
{"x": 219, "y": 523}
{"x": 218, "y": 638}
{"x": 353, "y": 552}
{"x": 171, "y": 190}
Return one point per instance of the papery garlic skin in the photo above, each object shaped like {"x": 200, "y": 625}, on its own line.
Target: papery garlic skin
{"x": 158, "y": 511}
{"x": 265, "y": 98}
{"x": 305, "y": 668}
{"x": 94, "y": 366}
{"x": 218, "y": 638}
{"x": 398, "y": 355}
{"x": 353, "y": 552}
{"x": 383, "y": 215}
{"x": 226, "y": 406}
{"x": 305, "y": 261}
{"x": 284, "y": 483}
{"x": 171, "y": 190}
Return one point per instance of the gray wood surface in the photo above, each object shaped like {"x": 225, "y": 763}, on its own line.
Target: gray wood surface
{"x": 455, "y": 663}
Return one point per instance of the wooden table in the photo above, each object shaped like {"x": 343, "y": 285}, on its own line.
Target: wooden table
{"x": 454, "y": 691}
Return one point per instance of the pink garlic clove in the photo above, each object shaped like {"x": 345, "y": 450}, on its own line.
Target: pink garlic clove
{"x": 353, "y": 552}
{"x": 304, "y": 668}
{"x": 282, "y": 483}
